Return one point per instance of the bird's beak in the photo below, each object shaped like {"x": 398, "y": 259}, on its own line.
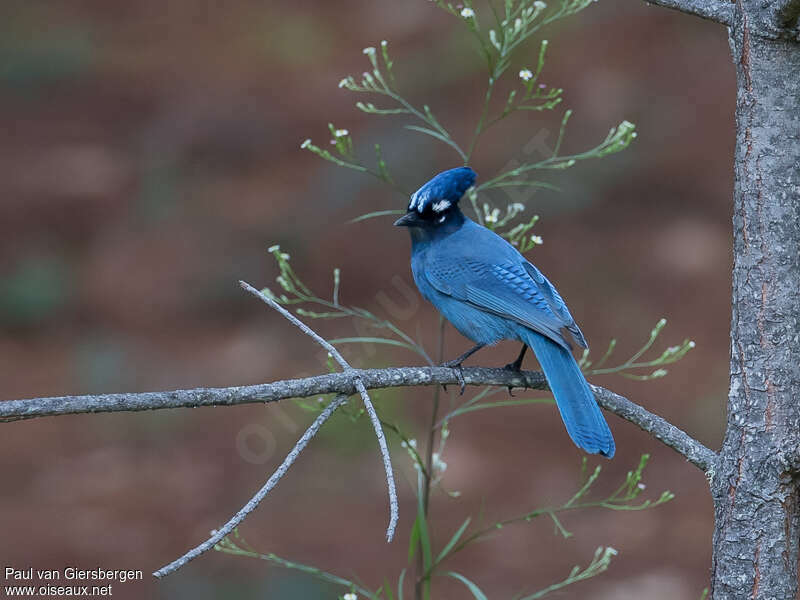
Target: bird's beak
{"x": 410, "y": 219}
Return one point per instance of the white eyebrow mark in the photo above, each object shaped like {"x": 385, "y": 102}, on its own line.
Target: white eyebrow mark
{"x": 441, "y": 206}
{"x": 442, "y": 218}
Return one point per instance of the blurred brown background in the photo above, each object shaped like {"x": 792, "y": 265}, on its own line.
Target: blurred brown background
{"x": 149, "y": 155}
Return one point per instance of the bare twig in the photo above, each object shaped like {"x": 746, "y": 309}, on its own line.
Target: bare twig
{"x": 387, "y": 461}
{"x": 219, "y": 534}
{"x": 298, "y": 323}
{"x": 719, "y": 11}
{"x": 359, "y": 386}
{"x": 342, "y": 383}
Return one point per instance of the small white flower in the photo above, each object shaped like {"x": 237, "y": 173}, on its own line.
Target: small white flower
{"x": 413, "y": 443}
{"x": 517, "y": 207}
{"x": 341, "y": 133}
{"x": 369, "y": 50}
{"x": 493, "y": 39}
{"x": 537, "y": 239}
{"x": 692, "y": 344}
{"x": 349, "y": 596}
{"x": 438, "y": 464}
{"x": 494, "y": 216}
{"x": 273, "y": 248}
{"x": 641, "y": 486}
{"x": 384, "y": 43}
{"x": 517, "y": 24}
{"x": 526, "y": 75}
{"x": 344, "y": 82}
{"x": 467, "y": 13}
{"x": 540, "y": 5}
{"x": 306, "y": 143}
{"x": 611, "y": 551}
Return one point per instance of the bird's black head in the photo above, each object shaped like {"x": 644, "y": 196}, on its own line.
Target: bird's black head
{"x": 435, "y": 204}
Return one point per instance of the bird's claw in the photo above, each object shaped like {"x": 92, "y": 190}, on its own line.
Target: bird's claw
{"x": 516, "y": 368}
{"x": 459, "y": 371}
{"x": 460, "y": 377}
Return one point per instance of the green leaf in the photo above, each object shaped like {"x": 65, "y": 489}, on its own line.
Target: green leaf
{"x": 378, "y": 213}
{"x": 485, "y": 405}
{"x": 371, "y": 340}
{"x": 413, "y": 541}
{"x": 424, "y": 539}
{"x": 476, "y": 591}
{"x": 388, "y": 588}
{"x": 438, "y": 136}
{"x": 453, "y": 540}
{"x": 400, "y": 584}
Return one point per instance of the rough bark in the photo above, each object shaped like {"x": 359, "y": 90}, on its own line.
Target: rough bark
{"x": 719, "y": 11}
{"x": 755, "y": 487}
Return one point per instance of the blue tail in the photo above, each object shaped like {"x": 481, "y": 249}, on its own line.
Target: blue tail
{"x": 579, "y": 410}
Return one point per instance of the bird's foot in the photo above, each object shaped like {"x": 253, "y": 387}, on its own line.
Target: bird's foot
{"x": 453, "y": 364}
{"x": 516, "y": 368}
{"x": 459, "y": 371}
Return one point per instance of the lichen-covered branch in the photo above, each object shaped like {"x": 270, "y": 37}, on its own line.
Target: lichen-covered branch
{"x": 342, "y": 383}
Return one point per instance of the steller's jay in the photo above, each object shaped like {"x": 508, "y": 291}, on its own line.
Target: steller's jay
{"x": 489, "y": 292}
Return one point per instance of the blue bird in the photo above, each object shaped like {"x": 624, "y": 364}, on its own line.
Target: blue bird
{"x": 489, "y": 292}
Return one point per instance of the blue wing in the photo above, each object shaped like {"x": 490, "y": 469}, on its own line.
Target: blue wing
{"x": 508, "y": 286}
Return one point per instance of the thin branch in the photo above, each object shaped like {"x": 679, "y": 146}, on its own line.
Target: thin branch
{"x": 298, "y": 323}
{"x": 342, "y": 383}
{"x": 661, "y": 429}
{"x": 387, "y": 461}
{"x": 719, "y": 11}
{"x": 359, "y": 386}
{"x": 219, "y": 534}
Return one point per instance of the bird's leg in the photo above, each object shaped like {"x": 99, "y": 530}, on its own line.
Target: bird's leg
{"x": 516, "y": 366}
{"x": 455, "y": 364}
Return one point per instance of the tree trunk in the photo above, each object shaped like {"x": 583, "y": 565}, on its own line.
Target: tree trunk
{"x": 755, "y": 486}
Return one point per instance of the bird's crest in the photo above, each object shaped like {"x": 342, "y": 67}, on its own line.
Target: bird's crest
{"x": 441, "y": 192}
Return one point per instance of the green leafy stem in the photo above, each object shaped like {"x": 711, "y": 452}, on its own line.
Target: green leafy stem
{"x": 625, "y": 497}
